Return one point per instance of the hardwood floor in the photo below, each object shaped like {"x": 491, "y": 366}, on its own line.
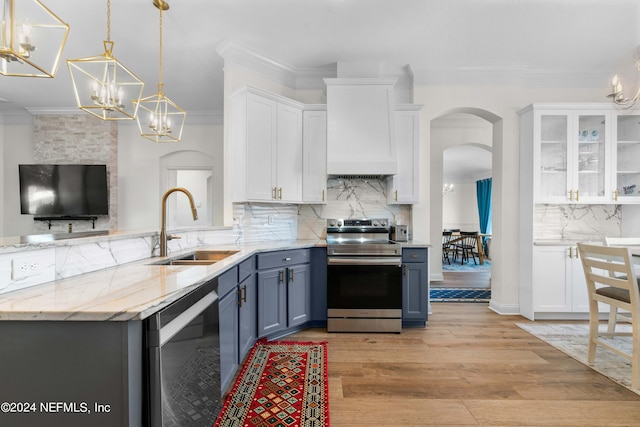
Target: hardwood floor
{"x": 468, "y": 367}
{"x": 463, "y": 279}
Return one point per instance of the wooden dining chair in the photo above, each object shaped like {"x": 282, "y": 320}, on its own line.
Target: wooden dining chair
{"x": 614, "y": 315}
{"x": 611, "y": 280}
{"x": 448, "y": 249}
{"x": 467, "y": 246}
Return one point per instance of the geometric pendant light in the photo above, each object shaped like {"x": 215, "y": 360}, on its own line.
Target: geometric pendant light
{"x": 159, "y": 118}
{"x": 32, "y": 38}
{"x": 103, "y": 86}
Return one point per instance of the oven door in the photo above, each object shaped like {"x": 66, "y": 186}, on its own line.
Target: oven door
{"x": 369, "y": 287}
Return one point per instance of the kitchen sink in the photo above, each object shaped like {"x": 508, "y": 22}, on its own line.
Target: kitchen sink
{"x": 199, "y": 257}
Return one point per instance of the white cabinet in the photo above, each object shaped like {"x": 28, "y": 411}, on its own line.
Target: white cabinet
{"x": 403, "y": 186}
{"x": 266, "y": 135}
{"x": 559, "y": 285}
{"x": 626, "y": 157}
{"x": 572, "y": 156}
{"x": 314, "y": 154}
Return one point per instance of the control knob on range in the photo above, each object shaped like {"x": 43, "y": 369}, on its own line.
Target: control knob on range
{"x": 332, "y": 223}
{"x": 383, "y": 223}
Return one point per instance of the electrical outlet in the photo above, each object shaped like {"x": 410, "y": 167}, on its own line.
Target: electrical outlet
{"x": 23, "y": 267}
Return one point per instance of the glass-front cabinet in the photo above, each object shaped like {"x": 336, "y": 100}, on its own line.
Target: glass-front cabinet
{"x": 572, "y": 156}
{"x": 627, "y": 158}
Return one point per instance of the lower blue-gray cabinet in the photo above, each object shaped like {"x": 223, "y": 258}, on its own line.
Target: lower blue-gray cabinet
{"x": 238, "y": 324}
{"x": 284, "y": 290}
{"x": 415, "y": 286}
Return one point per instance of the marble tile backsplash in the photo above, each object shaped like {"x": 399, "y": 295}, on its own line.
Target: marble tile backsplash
{"x": 576, "y": 222}
{"x": 346, "y": 198}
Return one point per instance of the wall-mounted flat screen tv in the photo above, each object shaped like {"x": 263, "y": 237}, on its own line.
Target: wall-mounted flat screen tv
{"x": 63, "y": 190}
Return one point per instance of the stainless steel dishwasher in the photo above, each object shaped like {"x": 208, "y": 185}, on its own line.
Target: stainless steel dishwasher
{"x": 183, "y": 361}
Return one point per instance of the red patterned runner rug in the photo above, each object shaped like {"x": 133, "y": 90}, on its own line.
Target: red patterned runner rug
{"x": 282, "y": 384}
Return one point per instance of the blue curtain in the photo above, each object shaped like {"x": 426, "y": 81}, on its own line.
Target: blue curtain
{"x": 483, "y": 193}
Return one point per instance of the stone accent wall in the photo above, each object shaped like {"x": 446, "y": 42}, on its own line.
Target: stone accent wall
{"x": 79, "y": 139}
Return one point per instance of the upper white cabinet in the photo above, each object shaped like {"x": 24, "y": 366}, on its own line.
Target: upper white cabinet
{"x": 572, "y": 156}
{"x": 314, "y": 154}
{"x": 361, "y": 131}
{"x": 580, "y": 153}
{"x": 626, "y": 157}
{"x": 266, "y": 135}
{"x": 403, "y": 187}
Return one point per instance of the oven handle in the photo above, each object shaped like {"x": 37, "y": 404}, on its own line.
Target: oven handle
{"x": 397, "y": 261}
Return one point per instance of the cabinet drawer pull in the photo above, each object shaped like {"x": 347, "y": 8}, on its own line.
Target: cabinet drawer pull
{"x": 280, "y": 193}
{"x": 570, "y": 194}
{"x": 323, "y": 195}
{"x": 273, "y": 193}
{"x": 286, "y": 259}
{"x": 281, "y": 276}
{"x": 242, "y": 295}
{"x": 396, "y": 195}
{"x": 615, "y": 195}
{"x": 577, "y": 195}
{"x": 292, "y": 274}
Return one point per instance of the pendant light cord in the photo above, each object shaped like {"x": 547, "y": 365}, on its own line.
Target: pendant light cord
{"x": 160, "y": 8}
{"x": 108, "y": 20}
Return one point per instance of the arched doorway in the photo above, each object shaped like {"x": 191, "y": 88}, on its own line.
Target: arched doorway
{"x": 458, "y": 127}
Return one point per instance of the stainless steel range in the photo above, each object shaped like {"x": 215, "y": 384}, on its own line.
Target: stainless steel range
{"x": 364, "y": 277}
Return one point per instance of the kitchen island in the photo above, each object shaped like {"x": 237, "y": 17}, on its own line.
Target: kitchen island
{"x": 73, "y": 350}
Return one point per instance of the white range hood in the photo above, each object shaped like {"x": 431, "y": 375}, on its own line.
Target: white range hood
{"x": 361, "y": 126}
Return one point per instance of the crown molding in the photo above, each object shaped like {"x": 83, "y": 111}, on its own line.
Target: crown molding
{"x": 282, "y": 72}
{"x": 202, "y": 117}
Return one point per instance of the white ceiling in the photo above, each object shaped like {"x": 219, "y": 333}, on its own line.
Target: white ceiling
{"x": 565, "y": 42}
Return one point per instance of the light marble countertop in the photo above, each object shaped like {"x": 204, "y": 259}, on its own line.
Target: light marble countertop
{"x": 564, "y": 242}
{"x": 130, "y": 291}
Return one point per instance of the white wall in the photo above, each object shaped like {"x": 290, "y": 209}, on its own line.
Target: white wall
{"x": 460, "y": 209}
{"x": 502, "y": 104}
{"x": 16, "y": 147}
{"x": 140, "y": 184}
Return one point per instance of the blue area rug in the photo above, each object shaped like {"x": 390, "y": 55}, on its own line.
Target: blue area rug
{"x": 467, "y": 266}
{"x": 459, "y": 295}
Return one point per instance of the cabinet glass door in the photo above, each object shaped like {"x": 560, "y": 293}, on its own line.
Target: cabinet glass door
{"x": 553, "y": 157}
{"x": 591, "y": 158}
{"x": 628, "y": 158}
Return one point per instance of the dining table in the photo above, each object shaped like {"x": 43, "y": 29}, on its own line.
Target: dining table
{"x": 457, "y": 237}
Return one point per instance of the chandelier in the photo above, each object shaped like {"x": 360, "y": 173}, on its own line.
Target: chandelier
{"x": 448, "y": 190}
{"x": 32, "y": 38}
{"x": 160, "y": 119}
{"x": 102, "y": 85}
{"x": 617, "y": 96}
